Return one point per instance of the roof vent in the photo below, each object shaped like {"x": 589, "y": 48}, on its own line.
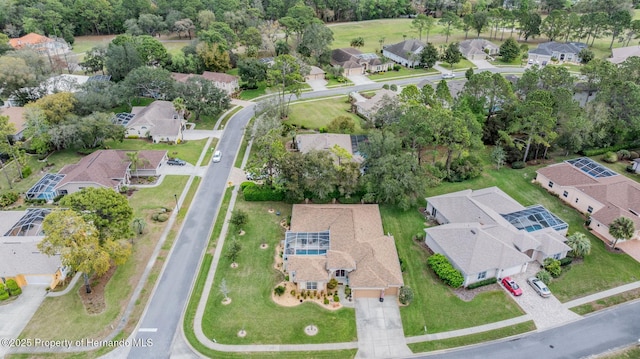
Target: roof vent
{"x": 473, "y": 232}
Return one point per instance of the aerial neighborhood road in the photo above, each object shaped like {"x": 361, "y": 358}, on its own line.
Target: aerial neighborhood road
{"x": 161, "y": 320}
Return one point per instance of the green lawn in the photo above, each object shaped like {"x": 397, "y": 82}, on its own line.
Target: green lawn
{"x": 434, "y": 304}
{"x": 473, "y": 339}
{"x": 462, "y": 65}
{"x": 78, "y": 323}
{"x": 404, "y": 72}
{"x": 57, "y": 159}
{"x": 599, "y": 271}
{"x": 175, "y": 46}
{"x": 188, "y": 150}
{"x": 333, "y": 82}
{"x": 306, "y": 114}
{"x": 251, "y": 94}
{"x": 251, "y": 285}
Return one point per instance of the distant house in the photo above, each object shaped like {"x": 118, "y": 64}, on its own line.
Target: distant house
{"x": 478, "y": 49}
{"x": 405, "y": 53}
{"x": 225, "y": 82}
{"x": 326, "y": 141}
{"x": 20, "y": 233}
{"x": 159, "y": 122}
{"x": 621, "y": 54}
{"x": 355, "y": 62}
{"x": 485, "y": 233}
{"x": 16, "y": 117}
{"x": 560, "y": 51}
{"x": 345, "y": 242}
{"x": 43, "y": 45}
{"x": 315, "y": 73}
{"x": 368, "y": 107}
{"x": 103, "y": 168}
{"x": 595, "y": 190}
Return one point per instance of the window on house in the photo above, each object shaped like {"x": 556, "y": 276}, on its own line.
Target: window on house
{"x": 590, "y": 209}
{"x": 556, "y": 256}
{"x": 565, "y": 194}
{"x": 550, "y": 184}
{"x": 312, "y": 285}
{"x": 341, "y": 273}
{"x": 434, "y": 211}
{"x": 482, "y": 275}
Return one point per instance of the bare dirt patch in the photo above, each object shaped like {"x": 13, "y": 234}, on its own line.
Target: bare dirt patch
{"x": 94, "y": 302}
{"x": 467, "y": 295}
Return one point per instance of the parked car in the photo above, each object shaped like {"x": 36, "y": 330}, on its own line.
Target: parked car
{"x": 512, "y": 286}
{"x": 176, "y": 162}
{"x": 217, "y": 156}
{"x": 449, "y": 75}
{"x": 539, "y": 287}
{"x": 255, "y": 177}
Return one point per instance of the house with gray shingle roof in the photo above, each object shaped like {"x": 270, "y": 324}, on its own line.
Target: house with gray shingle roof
{"x": 591, "y": 188}
{"x": 326, "y": 141}
{"x": 561, "y": 51}
{"x": 478, "y": 49}
{"x": 159, "y": 122}
{"x": 368, "y": 107}
{"x": 485, "y": 233}
{"x": 405, "y": 53}
{"x": 354, "y": 62}
{"x": 225, "y": 82}
{"x": 345, "y": 242}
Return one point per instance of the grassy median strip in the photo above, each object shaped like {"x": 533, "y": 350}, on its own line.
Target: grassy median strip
{"x": 473, "y": 339}
{"x": 217, "y": 228}
{"x": 606, "y": 302}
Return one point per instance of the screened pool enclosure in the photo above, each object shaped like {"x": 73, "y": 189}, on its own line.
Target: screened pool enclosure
{"x": 306, "y": 243}
{"x": 535, "y": 218}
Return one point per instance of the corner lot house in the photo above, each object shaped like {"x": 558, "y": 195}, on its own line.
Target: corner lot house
{"x": 159, "y": 122}
{"x": 355, "y": 62}
{"x": 225, "y": 82}
{"x": 478, "y": 49}
{"x": 345, "y": 242}
{"x": 567, "y": 51}
{"x": 368, "y": 107}
{"x": 405, "y": 53}
{"x": 103, "y": 168}
{"x": 595, "y": 190}
{"x": 485, "y": 233}
{"x": 20, "y": 234}
{"x": 326, "y": 141}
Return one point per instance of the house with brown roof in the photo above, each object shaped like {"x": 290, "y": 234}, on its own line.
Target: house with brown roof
{"x": 326, "y": 141}
{"x": 106, "y": 168}
{"x": 368, "y": 107}
{"x": 20, "y": 234}
{"x": 406, "y": 53}
{"x": 41, "y": 44}
{"x": 593, "y": 189}
{"x": 478, "y": 49}
{"x": 345, "y": 242}
{"x": 160, "y": 122}
{"x": 485, "y": 233}
{"x": 315, "y": 73}
{"x": 16, "y": 117}
{"x": 354, "y": 62}
{"x": 225, "y": 82}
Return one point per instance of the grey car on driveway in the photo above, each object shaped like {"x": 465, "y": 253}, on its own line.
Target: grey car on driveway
{"x": 539, "y": 287}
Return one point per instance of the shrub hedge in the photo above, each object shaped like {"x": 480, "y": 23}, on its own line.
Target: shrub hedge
{"x": 518, "y": 165}
{"x": 254, "y": 192}
{"x": 482, "y": 283}
{"x": 443, "y": 269}
{"x": 8, "y": 198}
{"x": 13, "y": 287}
{"x": 26, "y": 171}
{"x": 566, "y": 261}
{"x": 4, "y": 295}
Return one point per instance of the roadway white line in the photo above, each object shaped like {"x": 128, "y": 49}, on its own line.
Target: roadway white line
{"x": 152, "y": 330}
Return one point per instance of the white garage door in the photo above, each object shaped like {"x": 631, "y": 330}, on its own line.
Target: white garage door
{"x": 38, "y": 279}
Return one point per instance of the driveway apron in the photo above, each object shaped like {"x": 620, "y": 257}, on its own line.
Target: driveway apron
{"x": 380, "y": 333}
{"x": 17, "y": 314}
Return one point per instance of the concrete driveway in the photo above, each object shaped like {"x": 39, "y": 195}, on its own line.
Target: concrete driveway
{"x": 545, "y": 312}
{"x": 380, "y": 333}
{"x": 16, "y": 315}
{"x": 317, "y": 85}
{"x": 482, "y": 64}
{"x": 631, "y": 248}
{"x": 188, "y": 169}
{"x": 360, "y": 80}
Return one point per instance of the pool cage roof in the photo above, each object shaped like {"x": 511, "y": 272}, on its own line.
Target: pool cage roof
{"x": 356, "y": 142}
{"x": 590, "y": 167}
{"x": 122, "y": 118}
{"x": 535, "y": 218}
{"x": 30, "y": 224}
{"x": 96, "y": 78}
{"x": 306, "y": 243}
{"x": 44, "y": 186}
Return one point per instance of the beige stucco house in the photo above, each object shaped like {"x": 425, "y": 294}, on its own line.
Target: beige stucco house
{"x": 345, "y": 242}
{"x": 326, "y": 141}
{"x": 485, "y": 233}
{"x": 159, "y": 122}
{"x": 315, "y": 73}
{"x": 478, "y": 49}
{"x": 354, "y": 62}
{"x": 406, "y": 53}
{"x": 368, "y": 107}
{"x": 598, "y": 192}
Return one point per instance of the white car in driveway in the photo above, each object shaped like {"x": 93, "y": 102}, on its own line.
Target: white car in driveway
{"x": 539, "y": 287}
{"x": 448, "y": 75}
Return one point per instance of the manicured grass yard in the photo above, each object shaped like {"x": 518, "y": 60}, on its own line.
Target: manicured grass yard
{"x": 188, "y": 150}
{"x": 251, "y": 94}
{"x": 404, "y": 72}
{"x": 77, "y": 322}
{"x": 318, "y": 114}
{"x": 58, "y": 160}
{"x": 434, "y": 304}
{"x": 251, "y": 285}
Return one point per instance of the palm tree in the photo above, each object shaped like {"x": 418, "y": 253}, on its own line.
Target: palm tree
{"x": 580, "y": 244}
{"x": 621, "y": 228}
{"x": 180, "y": 106}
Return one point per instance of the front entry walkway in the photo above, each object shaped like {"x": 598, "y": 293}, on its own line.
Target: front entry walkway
{"x": 380, "y": 333}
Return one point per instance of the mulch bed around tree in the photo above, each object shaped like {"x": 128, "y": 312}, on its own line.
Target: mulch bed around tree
{"x": 468, "y": 294}
{"x": 94, "y": 302}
